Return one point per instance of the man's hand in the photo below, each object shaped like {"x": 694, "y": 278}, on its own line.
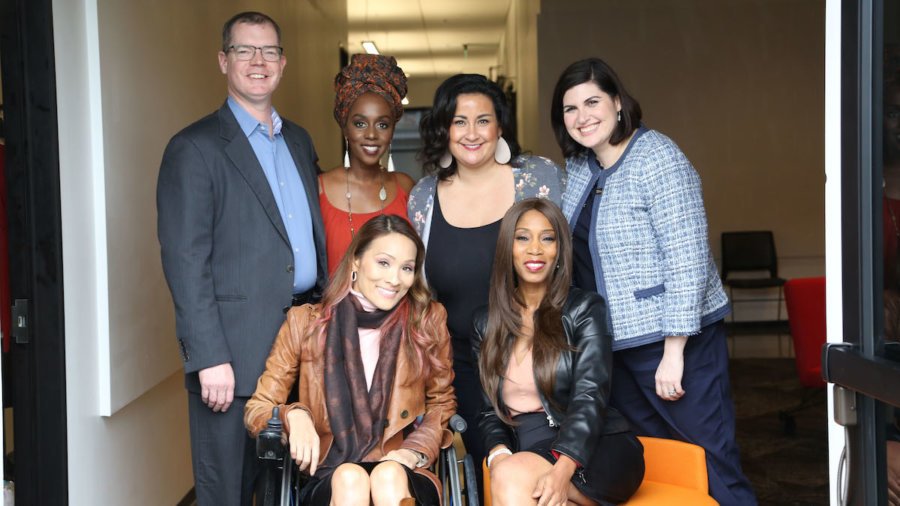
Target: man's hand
{"x": 304, "y": 440}
{"x": 217, "y": 387}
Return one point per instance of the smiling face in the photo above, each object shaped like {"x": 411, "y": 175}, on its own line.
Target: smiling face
{"x": 590, "y": 115}
{"x": 369, "y": 128}
{"x": 386, "y": 270}
{"x": 251, "y": 83}
{"x": 534, "y": 249}
{"x": 474, "y": 131}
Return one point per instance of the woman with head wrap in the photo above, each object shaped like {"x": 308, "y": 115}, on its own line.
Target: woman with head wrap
{"x": 367, "y": 105}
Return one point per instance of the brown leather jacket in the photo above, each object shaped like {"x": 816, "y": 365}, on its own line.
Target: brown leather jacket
{"x": 432, "y": 399}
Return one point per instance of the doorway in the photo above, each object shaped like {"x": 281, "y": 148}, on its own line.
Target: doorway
{"x": 34, "y": 369}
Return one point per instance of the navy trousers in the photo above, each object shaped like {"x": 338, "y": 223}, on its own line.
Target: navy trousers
{"x": 703, "y": 416}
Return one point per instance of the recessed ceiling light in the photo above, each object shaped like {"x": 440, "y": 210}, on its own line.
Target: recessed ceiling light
{"x": 370, "y": 47}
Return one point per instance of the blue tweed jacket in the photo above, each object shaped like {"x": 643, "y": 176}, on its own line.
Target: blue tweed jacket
{"x": 535, "y": 176}
{"x": 652, "y": 260}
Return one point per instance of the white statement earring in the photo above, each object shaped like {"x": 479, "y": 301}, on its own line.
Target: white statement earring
{"x": 620, "y": 116}
{"x": 353, "y": 276}
{"x": 346, "y": 154}
{"x": 445, "y": 160}
{"x": 502, "y": 155}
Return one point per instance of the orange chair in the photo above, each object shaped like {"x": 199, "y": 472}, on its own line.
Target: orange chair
{"x": 675, "y": 475}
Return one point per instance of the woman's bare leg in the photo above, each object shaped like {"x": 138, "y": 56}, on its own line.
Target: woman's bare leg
{"x": 349, "y": 486}
{"x": 514, "y": 479}
{"x": 390, "y": 484}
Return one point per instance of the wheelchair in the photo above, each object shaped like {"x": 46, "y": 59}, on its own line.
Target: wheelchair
{"x": 280, "y": 481}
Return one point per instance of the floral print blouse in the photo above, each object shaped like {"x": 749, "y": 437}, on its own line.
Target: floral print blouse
{"x": 535, "y": 176}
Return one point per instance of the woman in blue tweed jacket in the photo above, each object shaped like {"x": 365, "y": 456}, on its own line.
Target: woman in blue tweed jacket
{"x": 635, "y": 207}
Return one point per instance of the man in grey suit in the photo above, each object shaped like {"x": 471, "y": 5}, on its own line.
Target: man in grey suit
{"x": 241, "y": 237}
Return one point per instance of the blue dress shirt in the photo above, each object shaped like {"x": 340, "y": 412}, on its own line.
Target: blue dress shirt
{"x": 287, "y": 188}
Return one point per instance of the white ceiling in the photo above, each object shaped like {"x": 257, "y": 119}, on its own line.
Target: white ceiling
{"x": 428, "y": 36}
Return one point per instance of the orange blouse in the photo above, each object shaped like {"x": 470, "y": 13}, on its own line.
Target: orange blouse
{"x": 337, "y": 223}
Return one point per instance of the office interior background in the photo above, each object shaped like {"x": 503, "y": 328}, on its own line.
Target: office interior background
{"x": 738, "y": 84}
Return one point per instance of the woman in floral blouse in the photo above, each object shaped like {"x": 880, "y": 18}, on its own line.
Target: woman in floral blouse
{"x": 476, "y": 174}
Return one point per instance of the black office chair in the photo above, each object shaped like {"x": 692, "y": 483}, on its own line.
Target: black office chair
{"x": 752, "y": 252}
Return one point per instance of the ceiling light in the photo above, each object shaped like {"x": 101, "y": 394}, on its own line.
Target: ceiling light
{"x": 370, "y": 47}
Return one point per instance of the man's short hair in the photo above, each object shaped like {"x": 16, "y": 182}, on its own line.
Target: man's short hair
{"x": 251, "y": 18}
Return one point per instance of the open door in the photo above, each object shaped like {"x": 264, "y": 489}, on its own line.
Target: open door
{"x": 35, "y": 379}
{"x": 865, "y": 367}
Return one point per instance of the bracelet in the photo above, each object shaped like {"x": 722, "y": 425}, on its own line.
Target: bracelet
{"x": 499, "y": 451}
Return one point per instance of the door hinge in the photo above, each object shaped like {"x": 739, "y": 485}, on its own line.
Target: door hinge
{"x": 844, "y": 406}
{"x": 21, "y": 322}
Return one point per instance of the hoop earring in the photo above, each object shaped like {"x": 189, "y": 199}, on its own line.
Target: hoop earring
{"x": 353, "y": 276}
{"x": 445, "y": 160}
{"x": 502, "y": 155}
{"x": 346, "y": 154}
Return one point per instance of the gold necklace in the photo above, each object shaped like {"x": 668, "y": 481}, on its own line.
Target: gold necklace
{"x": 382, "y": 196}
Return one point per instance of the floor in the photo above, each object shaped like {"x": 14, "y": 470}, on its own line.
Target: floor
{"x": 784, "y": 469}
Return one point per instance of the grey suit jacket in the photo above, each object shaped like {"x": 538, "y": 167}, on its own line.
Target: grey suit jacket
{"x": 225, "y": 251}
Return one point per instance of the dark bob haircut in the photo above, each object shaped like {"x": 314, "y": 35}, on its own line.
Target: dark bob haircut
{"x": 598, "y": 72}
{"x": 251, "y": 18}
{"x": 435, "y": 125}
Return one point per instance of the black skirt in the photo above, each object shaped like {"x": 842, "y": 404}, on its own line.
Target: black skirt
{"x": 317, "y": 492}
{"x": 616, "y": 467}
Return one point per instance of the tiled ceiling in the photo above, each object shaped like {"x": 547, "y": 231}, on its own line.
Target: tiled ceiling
{"x": 431, "y": 38}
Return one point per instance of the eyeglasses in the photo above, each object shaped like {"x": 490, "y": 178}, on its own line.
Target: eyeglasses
{"x": 246, "y": 53}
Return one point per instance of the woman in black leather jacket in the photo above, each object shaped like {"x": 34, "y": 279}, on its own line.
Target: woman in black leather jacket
{"x": 545, "y": 358}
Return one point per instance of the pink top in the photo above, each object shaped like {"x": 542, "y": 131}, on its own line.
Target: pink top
{"x": 369, "y": 341}
{"x": 520, "y": 394}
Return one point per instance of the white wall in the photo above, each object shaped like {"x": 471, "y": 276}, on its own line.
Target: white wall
{"x": 518, "y": 63}
{"x": 739, "y": 85}
{"x": 129, "y": 75}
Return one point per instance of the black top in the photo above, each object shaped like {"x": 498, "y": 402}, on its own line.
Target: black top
{"x": 583, "y": 264}
{"x": 458, "y": 268}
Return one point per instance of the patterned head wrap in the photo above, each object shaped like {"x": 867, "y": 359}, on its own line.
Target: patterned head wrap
{"x": 366, "y": 73}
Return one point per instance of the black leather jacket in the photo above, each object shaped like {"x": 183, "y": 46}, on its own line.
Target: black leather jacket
{"x": 581, "y": 388}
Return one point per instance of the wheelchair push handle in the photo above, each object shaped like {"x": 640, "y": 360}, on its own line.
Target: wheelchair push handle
{"x": 270, "y": 442}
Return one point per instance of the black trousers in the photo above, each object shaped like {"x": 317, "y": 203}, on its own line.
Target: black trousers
{"x": 223, "y": 455}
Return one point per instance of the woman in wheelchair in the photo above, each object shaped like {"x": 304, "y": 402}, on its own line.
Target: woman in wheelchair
{"x": 373, "y": 362}
{"x": 545, "y": 358}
